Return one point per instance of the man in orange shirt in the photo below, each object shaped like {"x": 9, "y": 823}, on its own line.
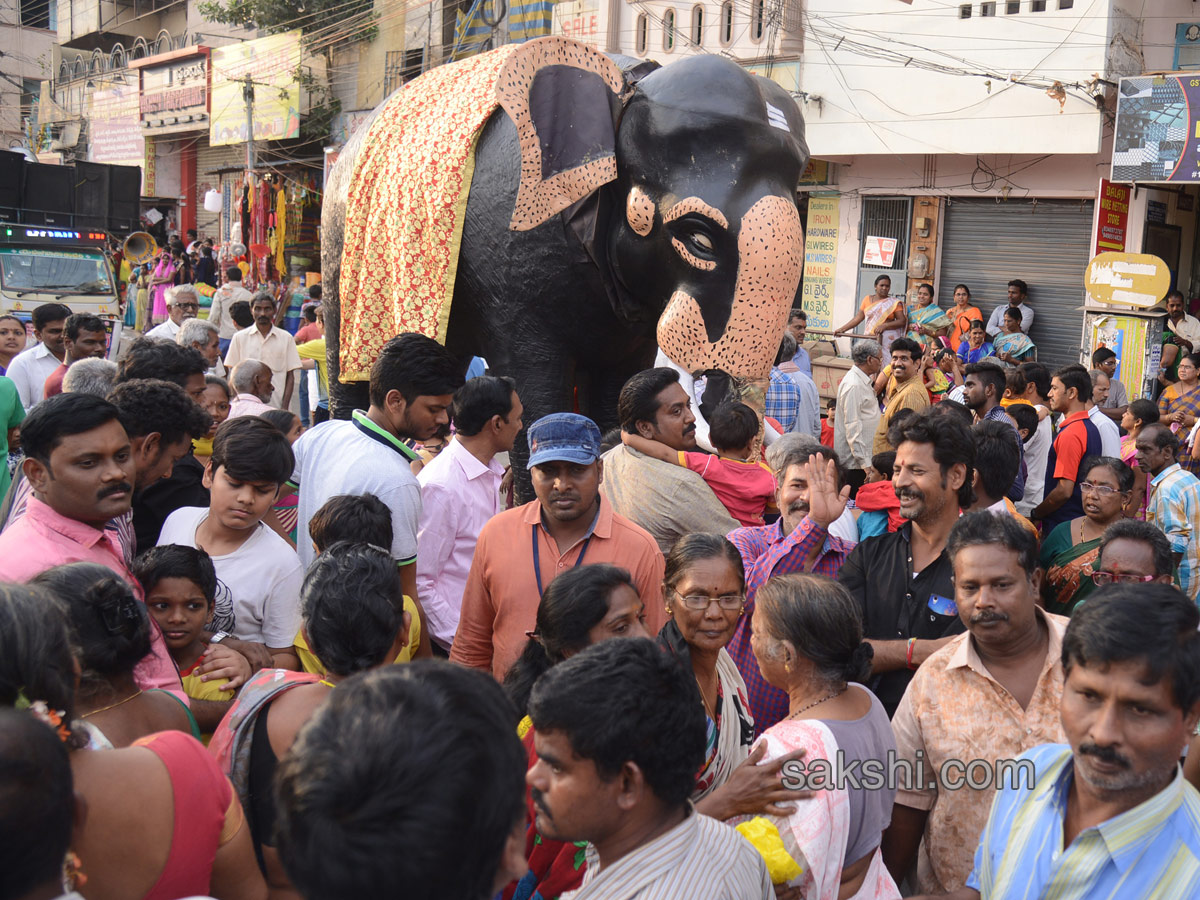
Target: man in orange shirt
{"x": 520, "y": 551}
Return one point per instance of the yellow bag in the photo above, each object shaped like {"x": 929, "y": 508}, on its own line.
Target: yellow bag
{"x": 765, "y": 837}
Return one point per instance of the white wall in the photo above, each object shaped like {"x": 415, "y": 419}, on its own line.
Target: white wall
{"x": 975, "y": 102}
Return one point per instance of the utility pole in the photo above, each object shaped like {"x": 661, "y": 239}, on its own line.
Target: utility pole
{"x": 248, "y": 96}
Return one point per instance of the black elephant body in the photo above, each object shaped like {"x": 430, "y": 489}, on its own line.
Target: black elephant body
{"x": 569, "y": 299}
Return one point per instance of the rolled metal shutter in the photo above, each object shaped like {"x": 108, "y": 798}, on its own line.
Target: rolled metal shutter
{"x": 208, "y": 161}
{"x": 1045, "y": 243}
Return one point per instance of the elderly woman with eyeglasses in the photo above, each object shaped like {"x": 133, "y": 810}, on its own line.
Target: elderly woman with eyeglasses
{"x": 705, "y": 586}
{"x": 1069, "y": 550}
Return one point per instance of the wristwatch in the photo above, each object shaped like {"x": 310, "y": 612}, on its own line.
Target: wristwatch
{"x": 218, "y": 637}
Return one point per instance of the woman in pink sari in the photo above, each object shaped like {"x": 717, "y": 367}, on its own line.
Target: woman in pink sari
{"x": 1138, "y": 415}
{"x": 162, "y": 278}
{"x": 807, "y": 635}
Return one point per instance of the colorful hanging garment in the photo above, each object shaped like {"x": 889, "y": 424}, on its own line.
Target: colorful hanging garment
{"x": 471, "y": 32}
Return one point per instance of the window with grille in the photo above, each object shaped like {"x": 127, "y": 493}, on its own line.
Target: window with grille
{"x": 727, "y": 22}
{"x": 698, "y": 25}
{"x": 987, "y": 9}
{"x": 1037, "y": 6}
{"x": 964, "y": 11}
{"x": 757, "y": 20}
{"x": 643, "y": 30}
{"x": 668, "y": 21}
{"x": 1012, "y": 7}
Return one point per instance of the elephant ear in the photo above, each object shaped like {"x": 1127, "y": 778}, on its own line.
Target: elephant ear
{"x": 564, "y": 98}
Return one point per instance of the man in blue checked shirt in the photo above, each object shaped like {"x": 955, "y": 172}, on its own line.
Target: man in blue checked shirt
{"x": 1110, "y": 815}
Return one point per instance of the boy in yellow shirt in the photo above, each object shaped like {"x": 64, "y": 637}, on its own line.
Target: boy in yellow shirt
{"x": 180, "y": 584}
{"x": 360, "y": 519}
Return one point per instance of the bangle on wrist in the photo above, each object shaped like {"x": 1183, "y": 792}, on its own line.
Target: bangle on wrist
{"x": 908, "y": 656}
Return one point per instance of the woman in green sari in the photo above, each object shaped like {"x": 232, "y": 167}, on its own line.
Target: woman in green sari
{"x": 1070, "y": 549}
{"x": 927, "y": 323}
{"x": 1012, "y": 346}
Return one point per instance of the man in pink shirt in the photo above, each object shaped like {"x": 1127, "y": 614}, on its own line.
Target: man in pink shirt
{"x": 460, "y": 492}
{"x": 80, "y": 463}
{"x": 251, "y": 381}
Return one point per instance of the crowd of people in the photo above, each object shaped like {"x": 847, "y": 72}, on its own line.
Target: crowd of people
{"x": 941, "y": 642}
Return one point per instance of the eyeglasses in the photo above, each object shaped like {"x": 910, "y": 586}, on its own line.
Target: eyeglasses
{"x": 701, "y": 602}
{"x": 1100, "y": 577}
{"x": 191, "y": 306}
{"x": 1102, "y": 489}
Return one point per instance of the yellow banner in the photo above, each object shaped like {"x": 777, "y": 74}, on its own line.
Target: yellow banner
{"x": 270, "y": 63}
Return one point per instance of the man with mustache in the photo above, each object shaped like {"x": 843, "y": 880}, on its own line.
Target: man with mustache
{"x": 521, "y": 550}
{"x": 811, "y": 498}
{"x": 272, "y": 345}
{"x": 667, "y": 500}
{"x": 1108, "y": 812}
{"x": 989, "y": 694}
{"x": 903, "y": 580}
{"x": 909, "y": 392}
{"x": 82, "y": 468}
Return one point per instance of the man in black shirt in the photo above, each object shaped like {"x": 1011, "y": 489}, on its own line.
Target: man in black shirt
{"x": 903, "y": 581}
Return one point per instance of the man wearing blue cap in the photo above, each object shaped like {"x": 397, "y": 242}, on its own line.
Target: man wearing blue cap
{"x": 522, "y": 550}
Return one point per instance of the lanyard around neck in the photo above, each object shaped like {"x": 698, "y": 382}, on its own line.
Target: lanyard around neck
{"x": 537, "y": 557}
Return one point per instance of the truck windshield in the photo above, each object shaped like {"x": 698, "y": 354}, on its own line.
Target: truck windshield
{"x": 54, "y": 271}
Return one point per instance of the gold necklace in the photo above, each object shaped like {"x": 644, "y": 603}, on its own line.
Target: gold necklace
{"x": 818, "y": 702}
{"x": 111, "y": 705}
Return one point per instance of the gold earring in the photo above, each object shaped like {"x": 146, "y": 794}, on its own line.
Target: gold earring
{"x": 668, "y": 609}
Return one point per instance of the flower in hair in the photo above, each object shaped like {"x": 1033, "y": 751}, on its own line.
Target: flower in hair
{"x": 52, "y": 717}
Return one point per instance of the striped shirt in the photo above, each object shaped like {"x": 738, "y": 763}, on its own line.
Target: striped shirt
{"x": 698, "y": 858}
{"x": 1174, "y": 507}
{"x": 1151, "y": 851}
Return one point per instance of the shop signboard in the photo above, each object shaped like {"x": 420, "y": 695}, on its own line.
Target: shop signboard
{"x": 271, "y": 64}
{"x": 820, "y": 260}
{"x": 1127, "y": 279}
{"x": 174, "y": 96}
{"x": 1112, "y": 217}
{"x": 577, "y": 19}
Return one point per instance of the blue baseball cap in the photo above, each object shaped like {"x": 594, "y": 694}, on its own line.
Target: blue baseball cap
{"x": 563, "y": 437}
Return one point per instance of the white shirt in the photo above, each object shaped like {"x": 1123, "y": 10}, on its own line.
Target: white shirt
{"x": 263, "y": 576}
{"x": 1037, "y": 454}
{"x": 855, "y": 419}
{"x": 164, "y": 332}
{"x": 1187, "y": 327}
{"x": 1110, "y": 435}
{"x": 458, "y": 496}
{"x": 995, "y": 324}
{"x": 357, "y": 457}
{"x": 226, "y": 295}
{"x": 29, "y": 370}
{"x": 277, "y": 350}
{"x": 808, "y": 418}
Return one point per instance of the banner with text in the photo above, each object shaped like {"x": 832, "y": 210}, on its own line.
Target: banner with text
{"x": 270, "y": 63}
{"x": 1112, "y": 217}
{"x": 820, "y": 259}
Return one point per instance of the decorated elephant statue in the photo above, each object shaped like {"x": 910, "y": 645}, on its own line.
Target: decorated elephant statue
{"x": 563, "y": 213}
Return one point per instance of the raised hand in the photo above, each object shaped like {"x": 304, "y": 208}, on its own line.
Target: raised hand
{"x": 825, "y": 502}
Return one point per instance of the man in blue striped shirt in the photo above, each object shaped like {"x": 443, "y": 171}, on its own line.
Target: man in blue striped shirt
{"x": 1110, "y": 815}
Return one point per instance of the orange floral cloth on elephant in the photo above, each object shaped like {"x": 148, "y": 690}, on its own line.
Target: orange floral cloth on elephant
{"x": 406, "y": 205}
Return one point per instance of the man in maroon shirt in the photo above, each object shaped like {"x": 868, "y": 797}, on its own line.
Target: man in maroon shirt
{"x": 84, "y": 337}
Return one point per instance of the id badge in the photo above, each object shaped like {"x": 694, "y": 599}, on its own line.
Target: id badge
{"x": 943, "y": 606}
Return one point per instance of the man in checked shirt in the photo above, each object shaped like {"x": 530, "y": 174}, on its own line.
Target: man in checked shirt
{"x": 810, "y": 497}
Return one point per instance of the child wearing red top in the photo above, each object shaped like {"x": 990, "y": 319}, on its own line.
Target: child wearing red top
{"x": 745, "y": 486}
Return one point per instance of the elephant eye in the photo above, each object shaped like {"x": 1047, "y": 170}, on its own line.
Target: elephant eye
{"x": 703, "y": 241}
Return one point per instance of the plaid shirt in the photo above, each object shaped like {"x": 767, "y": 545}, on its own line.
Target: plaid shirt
{"x": 1175, "y": 508}
{"x": 783, "y": 400}
{"x": 766, "y": 552}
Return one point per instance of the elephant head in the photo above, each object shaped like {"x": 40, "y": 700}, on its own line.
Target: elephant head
{"x": 696, "y": 166}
